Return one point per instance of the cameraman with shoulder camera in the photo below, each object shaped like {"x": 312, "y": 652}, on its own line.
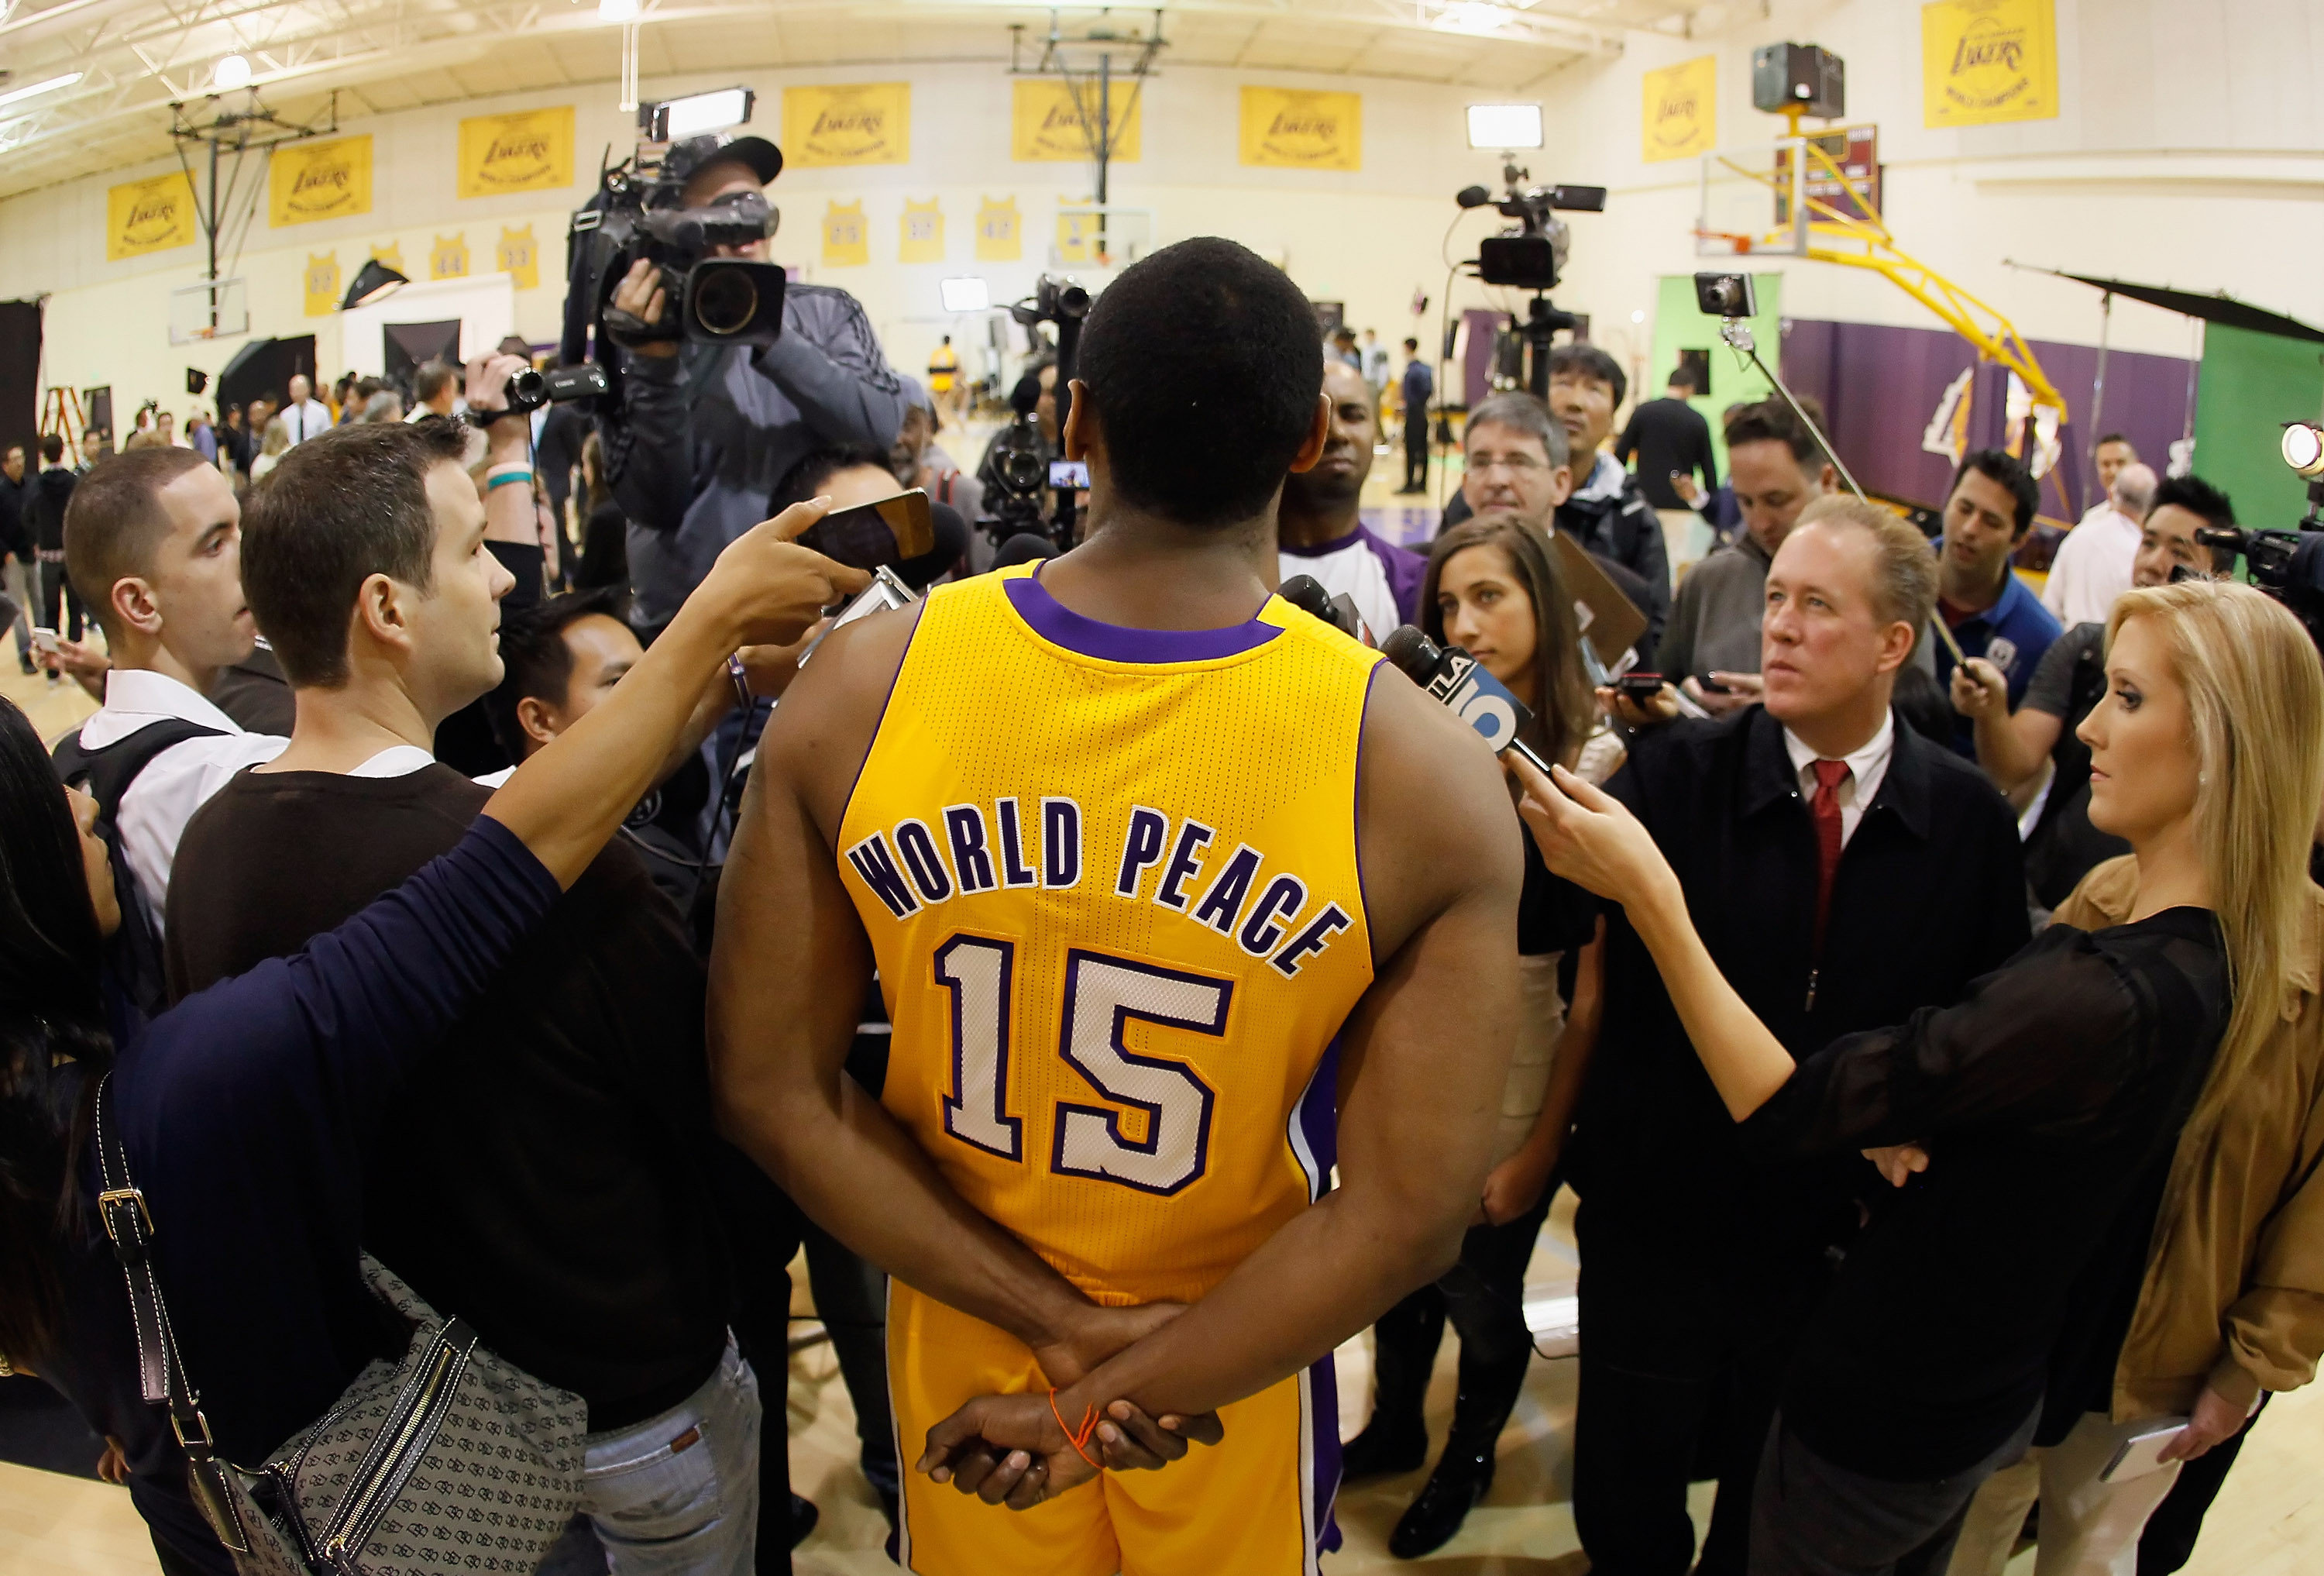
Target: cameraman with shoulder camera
{"x": 704, "y": 432}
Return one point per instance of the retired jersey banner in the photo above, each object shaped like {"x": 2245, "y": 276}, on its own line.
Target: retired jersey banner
{"x": 322, "y": 283}
{"x": 307, "y": 181}
{"x": 519, "y": 256}
{"x": 1046, "y": 125}
{"x": 1293, "y": 129}
{"x": 1680, "y": 110}
{"x": 449, "y": 257}
{"x": 391, "y": 254}
{"x": 1000, "y": 233}
{"x": 149, "y": 215}
{"x": 1987, "y": 60}
{"x": 846, "y": 239}
{"x": 531, "y": 150}
{"x": 865, "y": 123}
{"x": 923, "y": 236}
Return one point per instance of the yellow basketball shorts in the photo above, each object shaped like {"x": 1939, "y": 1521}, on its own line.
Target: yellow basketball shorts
{"x": 1259, "y": 1503}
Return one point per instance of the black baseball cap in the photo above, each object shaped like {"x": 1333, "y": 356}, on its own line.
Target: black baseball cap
{"x": 761, "y": 157}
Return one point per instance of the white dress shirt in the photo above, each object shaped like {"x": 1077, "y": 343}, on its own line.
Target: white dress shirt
{"x": 310, "y": 417}
{"x": 153, "y": 814}
{"x": 2092, "y": 567}
{"x": 1865, "y": 768}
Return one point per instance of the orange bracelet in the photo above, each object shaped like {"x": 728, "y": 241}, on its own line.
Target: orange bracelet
{"x": 1089, "y": 1426}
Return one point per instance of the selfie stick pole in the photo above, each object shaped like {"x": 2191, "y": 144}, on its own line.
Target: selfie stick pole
{"x": 1736, "y": 332}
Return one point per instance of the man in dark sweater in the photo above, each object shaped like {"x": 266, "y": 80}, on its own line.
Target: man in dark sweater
{"x": 1670, "y": 438}
{"x": 46, "y": 499}
{"x": 1606, "y": 512}
{"x": 544, "y": 1177}
{"x": 1843, "y": 871}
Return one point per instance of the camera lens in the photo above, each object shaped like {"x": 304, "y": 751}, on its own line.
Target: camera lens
{"x": 724, "y": 300}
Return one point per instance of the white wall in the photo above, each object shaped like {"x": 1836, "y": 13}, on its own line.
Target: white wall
{"x": 2185, "y": 153}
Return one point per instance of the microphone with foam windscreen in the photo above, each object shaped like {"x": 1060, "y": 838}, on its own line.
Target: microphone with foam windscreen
{"x": 1460, "y": 683}
{"x": 951, "y": 534}
{"x": 1023, "y": 548}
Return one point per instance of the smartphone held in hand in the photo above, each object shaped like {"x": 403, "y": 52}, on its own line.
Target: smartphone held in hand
{"x": 886, "y": 531}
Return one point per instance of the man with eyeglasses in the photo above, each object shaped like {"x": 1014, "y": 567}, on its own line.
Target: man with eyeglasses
{"x": 702, "y": 433}
{"x": 1516, "y": 467}
{"x": 1607, "y": 512}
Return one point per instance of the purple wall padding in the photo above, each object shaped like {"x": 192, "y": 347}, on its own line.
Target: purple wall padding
{"x": 1879, "y": 386}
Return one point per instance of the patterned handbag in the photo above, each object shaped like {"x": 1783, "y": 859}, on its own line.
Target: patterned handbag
{"x": 450, "y": 1461}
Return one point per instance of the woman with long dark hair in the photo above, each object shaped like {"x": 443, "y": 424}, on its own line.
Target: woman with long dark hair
{"x": 2049, "y": 1099}
{"x": 245, "y": 1111}
{"x": 1492, "y": 589}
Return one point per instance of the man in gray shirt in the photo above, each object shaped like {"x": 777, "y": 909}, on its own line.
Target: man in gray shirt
{"x": 704, "y": 432}
{"x": 1710, "y": 647}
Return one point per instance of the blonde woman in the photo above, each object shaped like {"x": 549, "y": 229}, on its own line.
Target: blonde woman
{"x": 276, "y": 445}
{"x": 2049, "y": 1099}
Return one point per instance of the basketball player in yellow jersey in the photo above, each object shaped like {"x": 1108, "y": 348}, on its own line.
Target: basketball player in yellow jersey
{"x": 1156, "y": 872}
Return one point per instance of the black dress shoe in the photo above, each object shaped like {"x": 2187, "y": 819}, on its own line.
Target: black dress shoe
{"x": 804, "y": 1516}
{"x": 1382, "y": 1450}
{"x": 1452, "y": 1491}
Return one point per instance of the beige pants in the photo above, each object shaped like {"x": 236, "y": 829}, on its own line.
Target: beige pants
{"x": 1541, "y": 1021}
{"x": 2089, "y": 1528}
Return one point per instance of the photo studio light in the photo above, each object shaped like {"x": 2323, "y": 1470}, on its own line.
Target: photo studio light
{"x": 674, "y": 119}
{"x": 966, "y": 295}
{"x": 1506, "y": 126}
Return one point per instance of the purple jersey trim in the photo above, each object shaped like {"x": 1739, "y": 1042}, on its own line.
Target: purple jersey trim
{"x": 1323, "y": 1417}
{"x": 1059, "y": 626}
{"x": 1405, "y": 569}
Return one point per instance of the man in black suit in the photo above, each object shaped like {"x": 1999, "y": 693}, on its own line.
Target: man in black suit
{"x": 1843, "y": 871}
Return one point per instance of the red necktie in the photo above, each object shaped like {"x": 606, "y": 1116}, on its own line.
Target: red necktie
{"x": 1823, "y": 810}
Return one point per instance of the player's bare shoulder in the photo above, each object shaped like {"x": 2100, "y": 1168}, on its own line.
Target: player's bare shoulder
{"x": 1434, "y": 812}
{"x": 827, "y": 720}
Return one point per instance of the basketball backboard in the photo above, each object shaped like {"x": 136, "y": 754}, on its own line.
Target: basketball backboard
{"x": 1743, "y": 190}
{"x": 218, "y": 311}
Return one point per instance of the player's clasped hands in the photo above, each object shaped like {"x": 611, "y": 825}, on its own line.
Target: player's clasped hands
{"x": 1017, "y": 1450}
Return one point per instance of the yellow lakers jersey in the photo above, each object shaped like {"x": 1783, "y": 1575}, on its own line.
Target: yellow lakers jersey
{"x": 1109, "y": 877}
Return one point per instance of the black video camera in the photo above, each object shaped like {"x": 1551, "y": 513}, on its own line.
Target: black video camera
{"x": 2288, "y": 565}
{"x": 1019, "y": 460}
{"x": 639, "y": 212}
{"x": 1531, "y": 253}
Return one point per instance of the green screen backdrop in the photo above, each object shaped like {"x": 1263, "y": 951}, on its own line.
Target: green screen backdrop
{"x": 2252, "y": 384}
{"x": 1679, "y": 326}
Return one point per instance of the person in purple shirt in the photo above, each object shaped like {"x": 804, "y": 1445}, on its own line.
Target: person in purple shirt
{"x": 247, "y": 1111}
{"x": 1317, "y": 530}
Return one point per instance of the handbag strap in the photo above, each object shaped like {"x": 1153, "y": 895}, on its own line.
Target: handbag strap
{"x": 160, "y": 1371}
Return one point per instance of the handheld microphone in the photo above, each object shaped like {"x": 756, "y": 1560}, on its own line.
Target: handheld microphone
{"x": 1460, "y": 683}
{"x": 1307, "y": 593}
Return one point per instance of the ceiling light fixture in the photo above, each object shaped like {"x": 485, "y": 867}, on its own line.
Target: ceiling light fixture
{"x": 617, "y": 10}
{"x": 1473, "y": 16}
{"x": 53, "y": 84}
{"x": 231, "y": 73}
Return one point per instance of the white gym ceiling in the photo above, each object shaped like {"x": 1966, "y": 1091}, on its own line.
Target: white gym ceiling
{"x": 135, "y": 58}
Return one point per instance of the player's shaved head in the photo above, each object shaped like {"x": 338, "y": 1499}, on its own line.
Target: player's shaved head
{"x": 1202, "y": 365}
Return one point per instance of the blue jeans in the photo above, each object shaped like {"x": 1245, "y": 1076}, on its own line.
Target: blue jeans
{"x": 677, "y": 1495}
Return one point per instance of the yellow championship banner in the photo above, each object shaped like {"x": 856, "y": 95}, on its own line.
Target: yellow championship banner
{"x": 449, "y": 258}
{"x": 1045, "y": 125}
{"x": 999, "y": 233}
{"x": 307, "y": 181}
{"x": 846, "y": 238}
{"x": 1988, "y": 61}
{"x": 519, "y": 256}
{"x": 322, "y": 283}
{"x": 149, "y": 216}
{"x": 923, "y": 236}
{"x": 531, "y": 150}
{"x": 1680, "y": 110}
{"x": 1292, "y": 129}
{"x": 864, "y": 123}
